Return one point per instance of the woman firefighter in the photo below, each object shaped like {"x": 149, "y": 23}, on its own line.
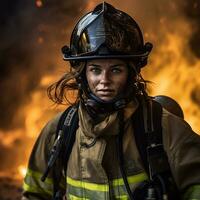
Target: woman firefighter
{"x": 114, "y": 142}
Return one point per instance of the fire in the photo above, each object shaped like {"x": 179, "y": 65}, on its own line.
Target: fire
{"x": 91, "y": 5}
{"x": 48, "y": 79}
{"x": 22, "y": 171}
{"x": 9, "y": 138}
{"x": 39, "y": 3}
{"x": 175, "y": 72}
{"x": 40, "y": 40}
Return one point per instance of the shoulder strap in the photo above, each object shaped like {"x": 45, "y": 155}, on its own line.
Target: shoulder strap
{"x": 69, "y": 135}
{"x": 67, "y": 125}
{"x": 141, "y": 137}
{"x": 55, "y": 150}
{"x": 153, "y": 156}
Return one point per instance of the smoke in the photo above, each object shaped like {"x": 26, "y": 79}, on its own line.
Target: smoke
{"x": 32, "y": 34}
{"x": 30, "y": 40}
{"x": 191, "y": 10}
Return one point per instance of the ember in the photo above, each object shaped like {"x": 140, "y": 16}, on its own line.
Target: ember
{"x": 39, "y": 3}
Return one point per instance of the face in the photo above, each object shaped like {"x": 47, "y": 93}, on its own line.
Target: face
{"x": 107, "y": 78}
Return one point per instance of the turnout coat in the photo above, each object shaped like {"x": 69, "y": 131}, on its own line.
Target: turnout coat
{"x": 93, "y": 168}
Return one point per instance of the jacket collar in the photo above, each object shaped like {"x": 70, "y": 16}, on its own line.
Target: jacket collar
{"x": 103, "y": 125}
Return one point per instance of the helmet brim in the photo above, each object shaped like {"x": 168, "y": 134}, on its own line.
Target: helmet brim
{"x": 92, "y": 57}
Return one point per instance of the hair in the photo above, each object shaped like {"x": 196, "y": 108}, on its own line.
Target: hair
{"x": 58, "y": 91}
{"x": 136, "y": 76}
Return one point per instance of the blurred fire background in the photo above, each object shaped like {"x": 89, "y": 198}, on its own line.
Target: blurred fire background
{"x": 32, "y": 34}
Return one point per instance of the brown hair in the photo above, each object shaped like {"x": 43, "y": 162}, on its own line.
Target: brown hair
{"x": 58, "y": 91}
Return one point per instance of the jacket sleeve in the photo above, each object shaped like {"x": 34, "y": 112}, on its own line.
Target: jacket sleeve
{"x": 183, "y": 149}
{"x": 33, "y": 187}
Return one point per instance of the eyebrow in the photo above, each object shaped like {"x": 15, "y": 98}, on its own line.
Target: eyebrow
{"x": 116, "y": 65}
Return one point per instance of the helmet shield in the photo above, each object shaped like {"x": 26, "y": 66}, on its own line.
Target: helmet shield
{"x": 103, "y": 33}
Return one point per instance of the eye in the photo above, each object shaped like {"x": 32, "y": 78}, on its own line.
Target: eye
{"x": 116, "y": 70}
{"x": 95, "y": 70}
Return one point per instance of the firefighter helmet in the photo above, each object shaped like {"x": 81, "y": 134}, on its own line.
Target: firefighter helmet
{"x": 107, "y": 33}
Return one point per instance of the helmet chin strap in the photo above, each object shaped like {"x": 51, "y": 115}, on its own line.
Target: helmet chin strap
{"x": 95, "y": 105}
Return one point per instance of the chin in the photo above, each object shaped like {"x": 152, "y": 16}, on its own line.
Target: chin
{"x": 106, "y": 98}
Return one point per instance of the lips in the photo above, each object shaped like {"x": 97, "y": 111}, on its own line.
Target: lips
{"x": 105, "y": 92}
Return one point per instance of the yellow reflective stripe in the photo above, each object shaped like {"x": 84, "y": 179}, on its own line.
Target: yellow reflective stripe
{"x": 122, "y": 197}
{"x": 131, "y": 179}
{"x": 32, "y": 183}
{"x": 192, "y": 193}
{"x": 88, "y": 186}
{"x": 104, "y": 187}
{"x": 72, "y": 197}
{"x": 33, "y": 189}
{"x": 38, "y": 176}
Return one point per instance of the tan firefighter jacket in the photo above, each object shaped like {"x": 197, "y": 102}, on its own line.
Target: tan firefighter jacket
{"x": 93, "y": 170}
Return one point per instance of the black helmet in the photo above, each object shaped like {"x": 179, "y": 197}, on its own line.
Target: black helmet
{"x": 107, "y": 33}
{"x": 170, "y": 104}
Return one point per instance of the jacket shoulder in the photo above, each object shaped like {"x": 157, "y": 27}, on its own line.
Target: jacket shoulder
{"x": 175, "y": 130}
{"x": 44, "y": 144}
{"x": 48, "y": 132}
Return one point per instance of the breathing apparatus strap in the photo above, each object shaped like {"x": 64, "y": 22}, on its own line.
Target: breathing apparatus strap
{"x": 145, "y": 121}
{"x": 150, "y": 145}
{"x": 69, "y": 125}
{"x": 147, "y": 128}
{"x": 59, "y": 155}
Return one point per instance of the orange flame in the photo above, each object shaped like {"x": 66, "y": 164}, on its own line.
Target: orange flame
{"x": 39, "y": 3}
{"x": 177, "y": 76}
{"x": 22, "y": 171}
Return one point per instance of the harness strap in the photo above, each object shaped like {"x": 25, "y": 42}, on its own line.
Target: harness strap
{"x": 61, "y": 150}
{"x": 142, "y": 139}
{"x": 68, "y": 124}
{"x": 150, "y": 146}
{"x": 53, "y": 154}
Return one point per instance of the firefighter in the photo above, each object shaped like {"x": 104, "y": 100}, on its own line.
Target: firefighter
{"x": 108, "y": 159}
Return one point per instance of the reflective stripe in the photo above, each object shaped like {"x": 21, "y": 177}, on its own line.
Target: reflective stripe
{"x": 37, "y": 176}
{"x": 88, "y": 186}
{"x": 36, "y": 189}
{"x": 131, "y": 179}
{"x": 32, "y": 183}
{"x": 86, "y": 190}
{"x": 193, "y": 193}
{"x": 104, "y": 187}
{"x": 122, "y": 197}
{"x": 85, "y": 193}
{"x": 118, "y": 188}
{"x": 72, "y": 197}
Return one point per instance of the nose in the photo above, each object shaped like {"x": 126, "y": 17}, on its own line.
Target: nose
{"x": 105, "y": 78}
